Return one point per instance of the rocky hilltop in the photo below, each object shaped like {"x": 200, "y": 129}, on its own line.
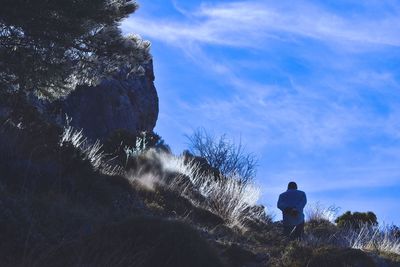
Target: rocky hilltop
{"x": 117, "y": 103}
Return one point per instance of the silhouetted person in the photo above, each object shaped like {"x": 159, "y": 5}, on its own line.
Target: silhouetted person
{"x": 292, "y": 203}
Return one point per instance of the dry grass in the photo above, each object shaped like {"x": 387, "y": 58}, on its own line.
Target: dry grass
{"x": 321, "y": 230}
{"x": 377, "y": 239}
{"x": 317, "y": 212}
{"x": 91, "y": 151}
{"x": 367, "y": 238}
{"x": 226, "y": 196}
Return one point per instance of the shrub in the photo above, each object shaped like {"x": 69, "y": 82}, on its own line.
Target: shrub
{"x": 320, "y": 232}
{"x": 295, "y": 255}
{"x": 395, "y": 231}
{"x": 124, "y": 145}
{"x": 122, "y": 138}
{"x": 356, "y": 219}
{"x": 226, "y": 156}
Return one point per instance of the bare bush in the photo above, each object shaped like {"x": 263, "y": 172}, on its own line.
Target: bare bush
{"x": 223, "y": 154}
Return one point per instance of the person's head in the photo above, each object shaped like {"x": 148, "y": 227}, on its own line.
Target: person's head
{"x": 292, "y": 185}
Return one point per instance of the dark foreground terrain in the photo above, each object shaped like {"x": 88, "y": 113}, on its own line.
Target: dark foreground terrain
{"x": 58, "y": 209}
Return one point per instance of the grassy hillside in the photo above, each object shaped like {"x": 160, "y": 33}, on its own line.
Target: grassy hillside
{"x": 66, "y": 201}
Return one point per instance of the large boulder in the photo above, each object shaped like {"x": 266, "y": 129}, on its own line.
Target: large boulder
{"x": 117, "y": 103}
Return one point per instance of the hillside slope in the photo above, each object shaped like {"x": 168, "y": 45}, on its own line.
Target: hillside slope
{"x": 65, "y": 203}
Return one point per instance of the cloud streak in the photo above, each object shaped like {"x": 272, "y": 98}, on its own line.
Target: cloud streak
{"x": 252, "y": 23}
{"x": 305, "y": 113}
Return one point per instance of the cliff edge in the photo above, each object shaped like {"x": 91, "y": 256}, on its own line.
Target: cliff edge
{"x": 128, "y": 103}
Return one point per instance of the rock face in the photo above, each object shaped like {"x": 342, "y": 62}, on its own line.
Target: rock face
{"x": 130, "y": 104}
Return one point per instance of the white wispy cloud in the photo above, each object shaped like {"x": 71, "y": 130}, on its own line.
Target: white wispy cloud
{"x": 252, "y": 23}
{"x": 309, "y": 115}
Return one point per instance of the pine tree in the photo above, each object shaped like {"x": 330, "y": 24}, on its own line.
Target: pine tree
{"x": 50, "y": 46}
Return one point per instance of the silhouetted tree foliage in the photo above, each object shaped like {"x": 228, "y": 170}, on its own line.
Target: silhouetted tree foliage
{"x": 51, "y": 46}
{"x": 228, "y": 157}
{"x": 356, "y": 219}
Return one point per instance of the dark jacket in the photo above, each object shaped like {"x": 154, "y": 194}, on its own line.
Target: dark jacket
{"x": 289, "y": 200}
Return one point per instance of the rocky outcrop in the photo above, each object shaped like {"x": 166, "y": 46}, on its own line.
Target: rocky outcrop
{"x": 118, "y": 103}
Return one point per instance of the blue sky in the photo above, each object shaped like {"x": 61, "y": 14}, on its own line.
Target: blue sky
{"x": 311, "y": 87}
